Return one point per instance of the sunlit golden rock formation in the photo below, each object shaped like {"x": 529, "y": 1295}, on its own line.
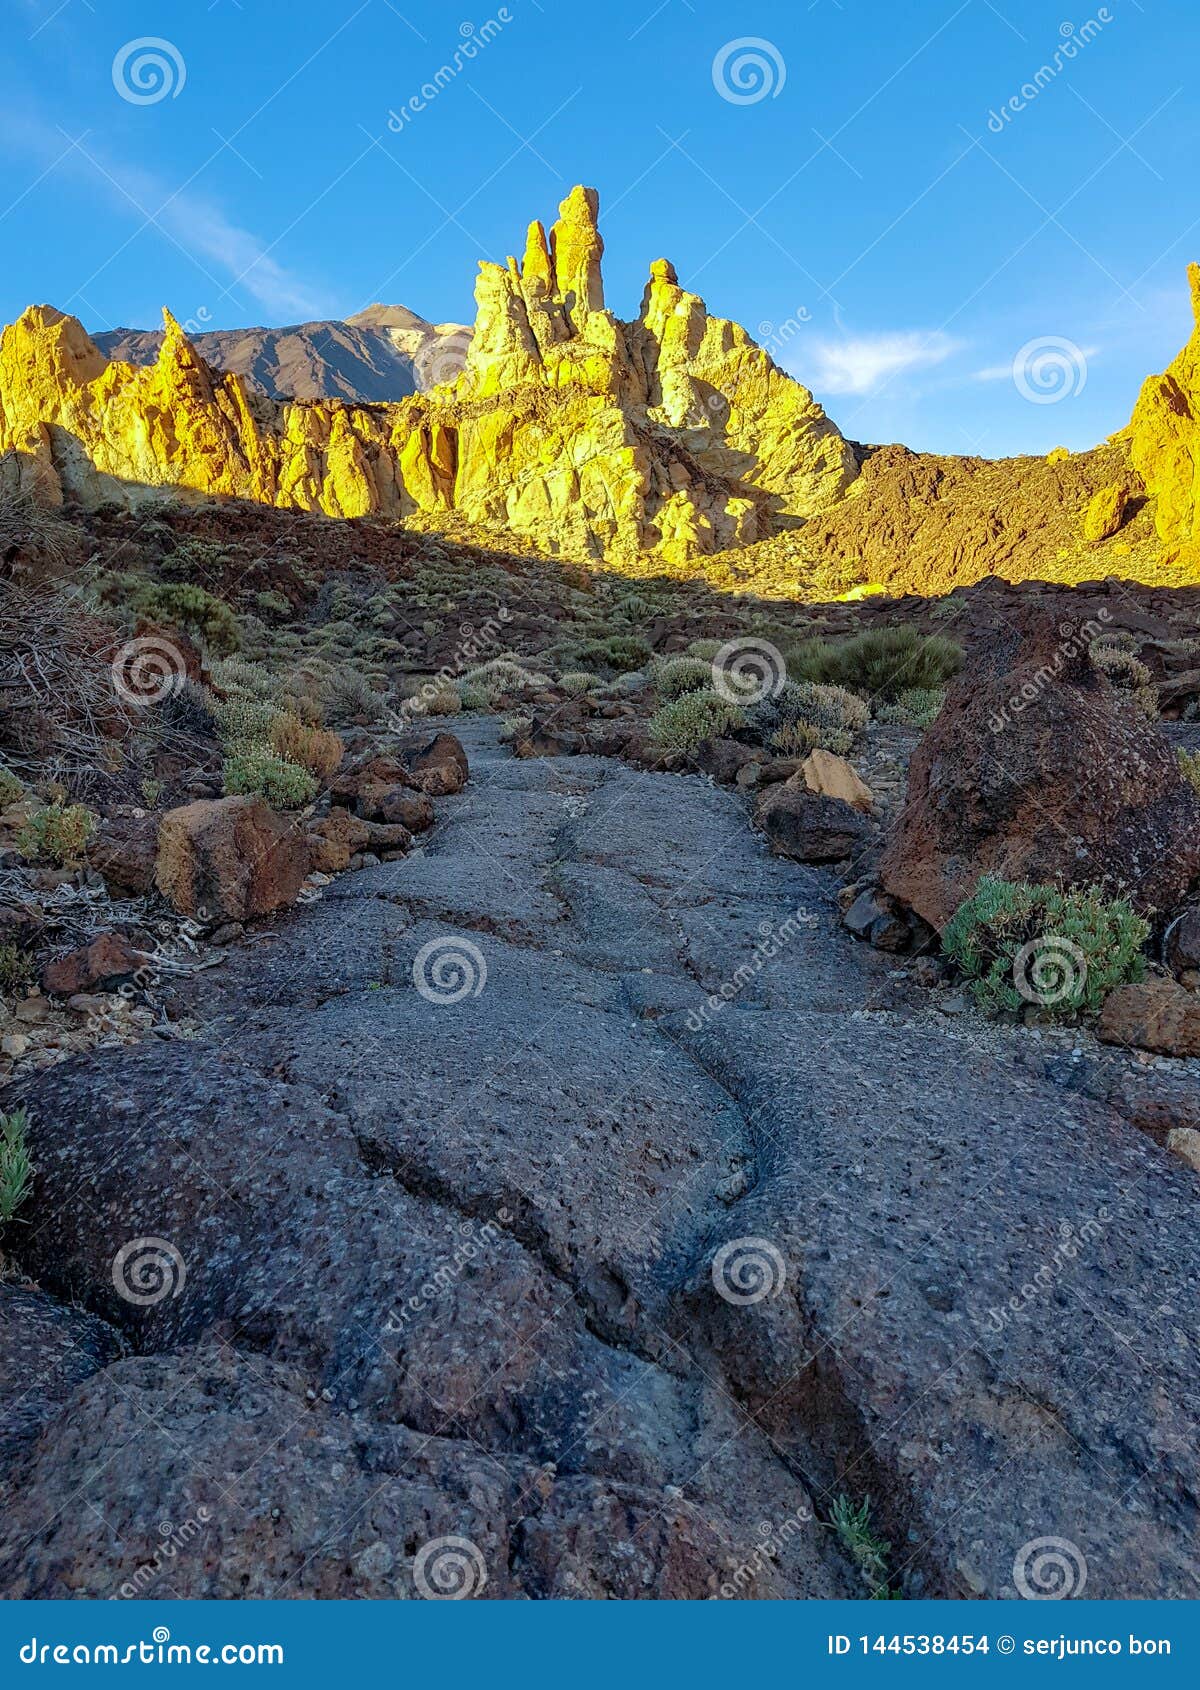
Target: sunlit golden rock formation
{"x": 1165, "y": 437}
{"x": 672, "y": 435}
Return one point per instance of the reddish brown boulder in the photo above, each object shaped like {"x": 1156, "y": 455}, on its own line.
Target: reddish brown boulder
{"x": 439, "y": 766}
{"x": 124, "y": 852}
{"x": 401, "y": 807}
{"x": 382, "y": 773}
{"x": 808, "y": 827}
{"x": 110, "y": 957}
{"x": 1038, "y": 769}
{"x": 1153, "y": 1015}
{"x": 333, "y": 841}
{"x": 223, "y": 859}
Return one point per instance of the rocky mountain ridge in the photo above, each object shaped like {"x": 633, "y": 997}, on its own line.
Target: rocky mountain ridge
{"x": 377, "y": 356}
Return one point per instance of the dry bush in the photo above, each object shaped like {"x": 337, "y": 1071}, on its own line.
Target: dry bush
{"x": 316, "y": 749}
{"x": 62, "y": 718}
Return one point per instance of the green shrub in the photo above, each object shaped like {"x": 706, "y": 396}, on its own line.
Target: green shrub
{"x": 60, "y": 832}
{"x": 16, "y": 1169}
{"x": 618, "y": 651}
{"x": 705, "y": 650}
{"x": 1128, "y": 673}
{"x": 916, "y": 707}
{"x": 674, "y": 676}
{"x": 473, "y": 695}
{"x": 11, "y": 789}
{"x": 193, "y": 609}
{"x": 689, "y": 720}
{"x": 16, "y": 970}
{"x": 1189, "y": 767}
{"x": 804, "y": 715}
{"x": 242, "y": 718}
{"x": 347, "y": 692}
{"x": 272, "y": 604}
{"x": 881, "y": 663}
{"x": 257, "y": 770}
{"x": 1064, "y": 951}
{"x": 576, "y": 682}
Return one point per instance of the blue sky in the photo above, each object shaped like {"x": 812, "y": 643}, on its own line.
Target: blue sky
{"x": 940, "y": 266}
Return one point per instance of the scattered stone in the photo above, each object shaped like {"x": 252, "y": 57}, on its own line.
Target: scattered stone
{"x": 14, "y": 1044}
{"x": 229, "y": 858}
{"x": 1105, "y": 512}
{"x": 124, "y": 852}
{"x": 834, "y": 777}
{"x": 927, "y": 972}
{"x": 109, "y": 958}
{"x": 227, "y": 933}
{"x": 1184, "y": 1142}
{"x": 809, "y": 828}
{"x": 727, "y": 759}
{"x": 1152, "y": 1015}
{"x": 334, "y": 841}
{"x": 1183, "y": 942}
{"x": 439, "y": 767}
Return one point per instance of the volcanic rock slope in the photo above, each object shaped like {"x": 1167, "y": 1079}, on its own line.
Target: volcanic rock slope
{"x": 489, "y": 1226}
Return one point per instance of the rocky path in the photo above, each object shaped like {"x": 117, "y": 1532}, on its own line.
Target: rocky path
{"x": 482, "y": 1222}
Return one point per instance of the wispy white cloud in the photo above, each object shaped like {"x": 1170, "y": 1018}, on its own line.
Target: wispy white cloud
{"x": 861, "y": 363}
{"x": 192, "y": 221}
{"x": 1005, "y": 372}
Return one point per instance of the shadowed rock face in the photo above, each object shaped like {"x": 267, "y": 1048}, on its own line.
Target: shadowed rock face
{"x": 672, "y": 434}
{"x": 465, "y": 1268}
{"x": 1037, "y": 769}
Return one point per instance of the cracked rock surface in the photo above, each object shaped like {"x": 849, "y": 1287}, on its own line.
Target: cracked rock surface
{"x": 576, "y": 1187}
